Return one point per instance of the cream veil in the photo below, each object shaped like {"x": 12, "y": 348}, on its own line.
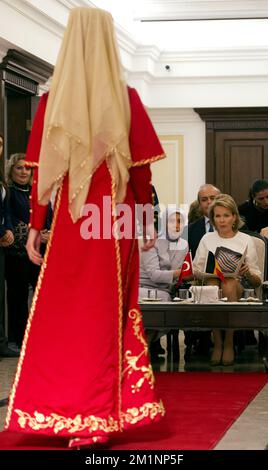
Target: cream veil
{"x": 87, "y": 116}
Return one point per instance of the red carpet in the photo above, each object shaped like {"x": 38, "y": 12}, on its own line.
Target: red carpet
{"x": 200, "y": 409}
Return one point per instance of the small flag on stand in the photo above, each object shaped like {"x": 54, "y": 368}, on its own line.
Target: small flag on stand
{"x": 186, "y": 269}
{"x": 214, "y": 267}
{"x": 218, "y": 272}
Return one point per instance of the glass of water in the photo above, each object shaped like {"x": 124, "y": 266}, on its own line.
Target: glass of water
{"x": 249, "y": 293}
{"x": 183, "y": 294}
{"x": 152, "y": 294}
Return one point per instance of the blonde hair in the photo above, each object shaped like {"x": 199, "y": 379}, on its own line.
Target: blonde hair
{"x": 12, "y": 161}
{"x": 225, "y": 200}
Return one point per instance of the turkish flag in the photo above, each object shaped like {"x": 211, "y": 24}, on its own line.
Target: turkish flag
{"x": 186, "y": 269}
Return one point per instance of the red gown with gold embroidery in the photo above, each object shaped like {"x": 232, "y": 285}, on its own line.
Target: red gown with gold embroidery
{"x": 84, "y": 369}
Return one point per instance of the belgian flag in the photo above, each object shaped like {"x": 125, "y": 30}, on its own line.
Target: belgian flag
{"x": 213, "y": 267}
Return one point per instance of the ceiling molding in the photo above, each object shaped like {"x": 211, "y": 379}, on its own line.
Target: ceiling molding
{"x": 219, "y": 55}
{"x": 76, "y": 3}
{"x": 125, "y": 40}
{"x": 149, "y": 78}
{"x": 193, "y": 10}
{"x": 178, "y": 115}
{"x": 150, "y": 51}
{"x": 49, "y": 23}
{"x": 221, "y": 66}
{"x": 33, "y": 13}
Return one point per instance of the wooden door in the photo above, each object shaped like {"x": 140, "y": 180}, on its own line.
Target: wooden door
{"x": 241, "y": 158}
{"x": 236, "y": 148}
{"x": 18, "y": 106}
{"x": 20, "y": 74}
{"x": 21, "y": 109}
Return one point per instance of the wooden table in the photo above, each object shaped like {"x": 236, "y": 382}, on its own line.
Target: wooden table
{"x": 179, "y": 315}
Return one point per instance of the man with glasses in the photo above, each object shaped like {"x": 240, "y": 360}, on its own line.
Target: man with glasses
{"x": 196, "y": 230}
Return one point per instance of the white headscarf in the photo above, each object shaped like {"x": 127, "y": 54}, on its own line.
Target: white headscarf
{"x": 170, "y": 210}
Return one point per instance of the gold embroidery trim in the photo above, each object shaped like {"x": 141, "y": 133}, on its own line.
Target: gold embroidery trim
{"x": 32, "y": 311}
{"x": 136, "y": 316}
{"x": 148, "y": 410}
{"x": 120, "y": 299}
{"x": 59, "y": 423}
{"x": 149, "y": 160}
{"x": 132, "y": 360}
{"x": 147, "y": 371}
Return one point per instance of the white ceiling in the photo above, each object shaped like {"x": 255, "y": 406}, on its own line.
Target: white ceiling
{"x": 213, "y": 24}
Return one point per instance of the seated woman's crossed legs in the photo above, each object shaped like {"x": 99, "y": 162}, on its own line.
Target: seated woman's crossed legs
{"x": 223, "y": 351}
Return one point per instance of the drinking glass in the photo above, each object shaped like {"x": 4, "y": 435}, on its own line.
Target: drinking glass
{"x": 249, "y": 293}
{"x": 183, "y": 294}
{"x": 152, "y": 294}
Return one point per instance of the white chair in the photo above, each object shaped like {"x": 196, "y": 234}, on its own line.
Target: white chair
{"x": 260, "y": 243}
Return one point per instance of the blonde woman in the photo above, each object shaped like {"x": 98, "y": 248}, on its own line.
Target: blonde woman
{"x": 223, "y": 214}
{"x": 20, "y": 272}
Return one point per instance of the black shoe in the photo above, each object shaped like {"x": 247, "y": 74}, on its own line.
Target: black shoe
{"x": 7, "y": 352}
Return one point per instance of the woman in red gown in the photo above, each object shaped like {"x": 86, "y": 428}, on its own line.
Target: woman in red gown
{"x": 84, "y": 370}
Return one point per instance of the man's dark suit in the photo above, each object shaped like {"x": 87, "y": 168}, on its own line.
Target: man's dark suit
{"x": 196, "y": 230}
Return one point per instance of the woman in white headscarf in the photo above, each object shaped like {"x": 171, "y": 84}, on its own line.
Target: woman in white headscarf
{"x": 160, "y": 266}
{"x": 84, "y": 371}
